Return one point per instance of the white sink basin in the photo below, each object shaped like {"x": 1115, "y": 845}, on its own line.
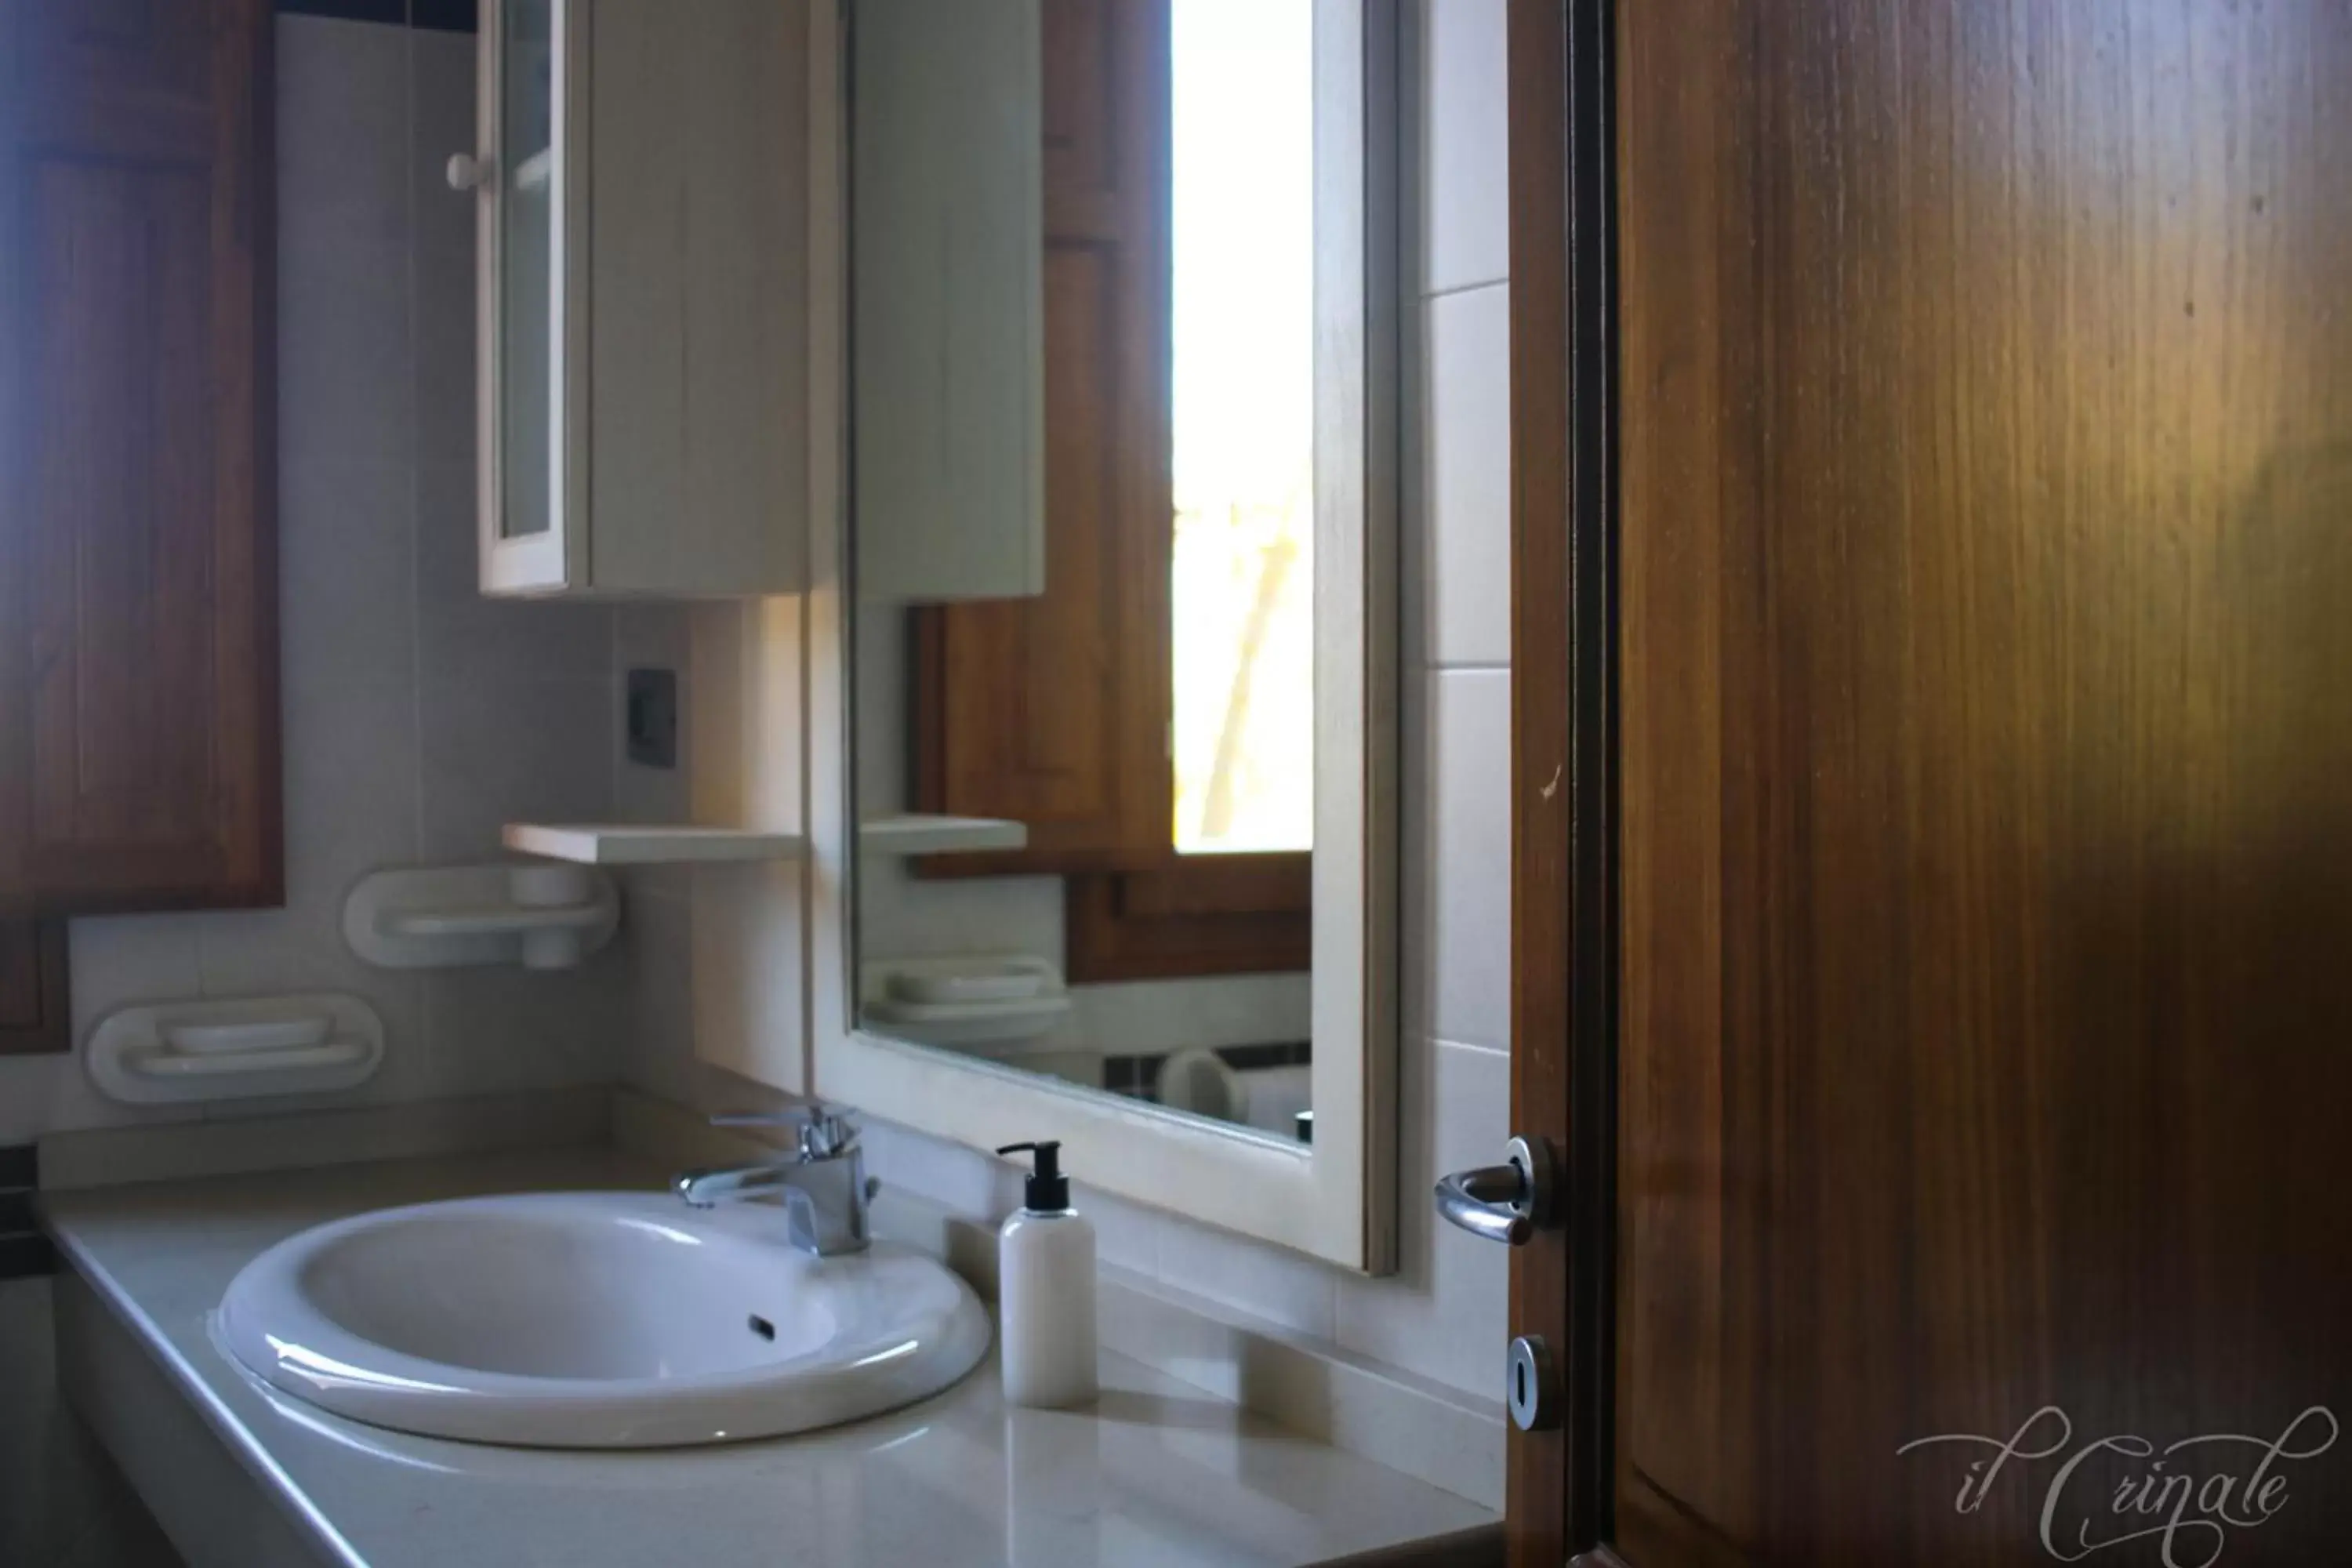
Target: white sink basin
{"x": 595, "y": 1321}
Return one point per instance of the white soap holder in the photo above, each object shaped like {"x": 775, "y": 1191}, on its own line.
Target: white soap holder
{"x": 173, "y": 1052}
{"x": 549, "y": 915}
{"x": 970, "y": 1000}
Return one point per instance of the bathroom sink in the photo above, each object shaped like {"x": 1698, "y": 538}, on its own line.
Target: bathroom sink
{"x": 595, "y": 1321}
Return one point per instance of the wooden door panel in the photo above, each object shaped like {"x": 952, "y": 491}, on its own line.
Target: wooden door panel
{"x": 1551, "y": 1473}
{"x": 119, "y": 577}
{"x": 35, "y": 1000}
{"x": 1985, "y": 427}
{"x": 138, "y": 644}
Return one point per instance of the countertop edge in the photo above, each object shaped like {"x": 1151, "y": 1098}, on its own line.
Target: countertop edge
{"x": 248, "y": 1450}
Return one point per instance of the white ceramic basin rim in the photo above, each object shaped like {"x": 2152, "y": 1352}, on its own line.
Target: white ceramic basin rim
{"x": 596, "y": 1320}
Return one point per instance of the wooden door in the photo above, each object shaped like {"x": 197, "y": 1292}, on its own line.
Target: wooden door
{"x": 139, "y": 765}
{"x": 1954, "y": 517}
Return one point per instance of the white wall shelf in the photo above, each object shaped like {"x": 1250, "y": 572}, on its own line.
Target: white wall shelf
{"x": 541, "y": 916}
{"x": 615, "y": 844}
{"x": 919, "y": 835}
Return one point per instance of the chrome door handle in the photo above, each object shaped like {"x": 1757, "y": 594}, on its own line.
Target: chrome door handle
{"x": 1502, "y": 1203}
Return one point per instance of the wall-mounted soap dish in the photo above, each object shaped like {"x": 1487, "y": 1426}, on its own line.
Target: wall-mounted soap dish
{"x": 970, "y": 1000}
{"x": 545, "y": 916}
{"x": 176, "y": 1051}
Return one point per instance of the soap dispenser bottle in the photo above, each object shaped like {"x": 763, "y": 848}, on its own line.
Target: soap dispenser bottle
{"x": 1045, "y": 1289}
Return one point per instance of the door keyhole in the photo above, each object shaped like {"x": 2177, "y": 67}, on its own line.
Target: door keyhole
{"x": 1527, "y": 1386}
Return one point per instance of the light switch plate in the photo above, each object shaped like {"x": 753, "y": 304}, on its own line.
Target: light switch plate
{"x": 652, "y": 718}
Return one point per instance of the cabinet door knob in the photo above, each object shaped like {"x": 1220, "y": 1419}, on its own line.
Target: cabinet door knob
{"x": 467, "y": 173}
{"x": 1502, "y": 1203}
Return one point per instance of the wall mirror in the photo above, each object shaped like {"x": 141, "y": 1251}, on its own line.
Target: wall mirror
{"x": 1104, "y": 687}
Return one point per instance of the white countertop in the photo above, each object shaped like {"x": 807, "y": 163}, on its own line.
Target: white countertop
{"x": 1157, "y": 1474}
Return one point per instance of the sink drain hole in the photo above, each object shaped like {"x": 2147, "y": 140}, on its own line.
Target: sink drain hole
{"x": 764, "y": 1329}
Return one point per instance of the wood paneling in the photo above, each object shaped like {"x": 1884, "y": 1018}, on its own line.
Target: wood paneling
{"x": 1544, "y": 962}
{"x": 1201, "y": 914}
{"x": 36, "y": 1005}
{"x": 1986, "y": 445}
{"x": 139, "y": 762}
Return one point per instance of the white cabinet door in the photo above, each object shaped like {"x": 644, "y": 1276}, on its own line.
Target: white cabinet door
{"x": 526, "y": 175}
{"x": 946, "y": 161}
{"x": 646, "y": 396}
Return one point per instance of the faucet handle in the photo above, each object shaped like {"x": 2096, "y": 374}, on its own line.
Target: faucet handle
{"x": 824, "y": 1134}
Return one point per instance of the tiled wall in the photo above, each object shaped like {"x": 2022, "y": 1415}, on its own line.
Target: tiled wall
{"x": 1441, "y": 1316}
{"x": 419, "y": 717}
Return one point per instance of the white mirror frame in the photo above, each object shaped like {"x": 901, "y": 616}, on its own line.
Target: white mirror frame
{"x": 1336, "y": 1200}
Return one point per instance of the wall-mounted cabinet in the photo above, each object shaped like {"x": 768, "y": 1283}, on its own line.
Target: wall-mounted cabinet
{"x": 646, "y": 402}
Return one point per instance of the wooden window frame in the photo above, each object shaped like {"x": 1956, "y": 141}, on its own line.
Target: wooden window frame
{"x": 140, "y": 748}
{"x": 35, "y": 1005}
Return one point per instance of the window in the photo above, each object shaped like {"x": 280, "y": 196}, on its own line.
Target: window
{"x": 1242, "y": 596}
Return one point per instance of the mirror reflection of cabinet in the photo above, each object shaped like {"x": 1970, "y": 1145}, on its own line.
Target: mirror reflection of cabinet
{"x": 946, "y": 155}
{"x": 644, "y": 298}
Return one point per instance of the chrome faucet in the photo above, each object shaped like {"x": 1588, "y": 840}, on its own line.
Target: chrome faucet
{"x": 822, "y": 1182}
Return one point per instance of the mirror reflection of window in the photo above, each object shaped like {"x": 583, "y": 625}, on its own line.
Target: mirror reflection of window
{"x": 1242, "y": 426}
{"x": 1087, "y": 646}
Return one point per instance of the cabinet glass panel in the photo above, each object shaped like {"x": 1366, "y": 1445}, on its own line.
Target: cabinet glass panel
{"x": 527, "y": 216}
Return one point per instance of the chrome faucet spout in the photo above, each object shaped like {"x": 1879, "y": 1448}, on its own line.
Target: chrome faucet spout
{"x": 822, "y": 1184}
{"x": 708, "y": 1189}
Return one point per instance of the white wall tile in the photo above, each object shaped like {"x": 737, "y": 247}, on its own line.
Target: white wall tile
{"x": 1459, "y": 75}
{"x": 1281, "y": 1287}
{"x": 442, "y": 116}
{"x": 466, "y": 637}
{"x": 1126, "y": 1234}
{"x": 51, "y": 1094}
{"x": 118, "y": 960}
{"x": 342, "y": 130}
{"x": 1463, "y": 502}
{"x": 346, "y": 568}
{"x": 965, "y": 1180}
{"x": 343, "y": 326}
{"x": 1444, "y": 1314}
{"x": 494, "y": 1029}
{"x": 1458, "y": 885}
{"x": 351, "y": 786}
{"x": 658, "y": 1055}
{"x": 441, "y": 121}
{"x": 496, "y": 750}
{"x": 350, "y": 807}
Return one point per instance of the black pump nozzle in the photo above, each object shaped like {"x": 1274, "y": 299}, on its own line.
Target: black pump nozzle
{"x": 1048, "y": 1191}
